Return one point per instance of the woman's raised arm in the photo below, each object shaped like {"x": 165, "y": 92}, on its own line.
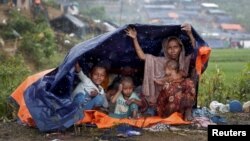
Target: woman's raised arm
{"x": 131, "y": 32}
{"x": 188, "y": 28}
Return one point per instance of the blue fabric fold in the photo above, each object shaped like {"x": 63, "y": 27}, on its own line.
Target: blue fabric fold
{"x": 48, "y": 99}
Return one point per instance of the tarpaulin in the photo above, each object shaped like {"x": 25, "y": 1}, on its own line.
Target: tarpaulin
{"x": 48, "y": 98}
{"x": 104, "y": 121}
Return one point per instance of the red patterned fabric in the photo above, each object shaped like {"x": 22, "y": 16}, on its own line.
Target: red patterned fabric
{"x": 176, "y": 97}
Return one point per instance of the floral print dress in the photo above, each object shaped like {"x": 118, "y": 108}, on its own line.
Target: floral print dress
{"x": 176, "y": 96}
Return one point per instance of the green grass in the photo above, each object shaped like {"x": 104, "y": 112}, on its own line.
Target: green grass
{"x": 230, "y": 55}
{"x": 230, "y": 61}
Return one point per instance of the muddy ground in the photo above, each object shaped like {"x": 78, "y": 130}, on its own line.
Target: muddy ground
{"x": 13, "y": 131}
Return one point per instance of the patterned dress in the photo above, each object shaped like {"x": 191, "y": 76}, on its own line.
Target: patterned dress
{"x": 176, "y": 96}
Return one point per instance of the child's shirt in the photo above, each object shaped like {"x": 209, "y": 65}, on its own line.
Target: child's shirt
{"x": 86, "y": 85}
{"x": 121, "y": 107}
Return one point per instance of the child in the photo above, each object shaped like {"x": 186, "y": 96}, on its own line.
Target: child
{"x": 89, "y": 93}
{"x": 177, "y": 94}
{"x": 126, "y": 100}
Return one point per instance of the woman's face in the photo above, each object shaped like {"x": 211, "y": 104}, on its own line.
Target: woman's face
{"x": 173, "y": 49}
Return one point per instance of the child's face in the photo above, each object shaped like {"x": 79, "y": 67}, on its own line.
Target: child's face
{"x": 169, "y": 71}
{"x": 98, "y": 75}
{"x": 127, "y": 89}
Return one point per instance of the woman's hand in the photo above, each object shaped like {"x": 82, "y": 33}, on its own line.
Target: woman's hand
{"x": 187, "y": 27}
{"x": 131, "y": 32}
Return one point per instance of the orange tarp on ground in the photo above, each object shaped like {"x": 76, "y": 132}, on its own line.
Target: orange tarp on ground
{"x": 104, "y": 121}
{"x": 100, "y": 119}
{"x": 23, "y": 112}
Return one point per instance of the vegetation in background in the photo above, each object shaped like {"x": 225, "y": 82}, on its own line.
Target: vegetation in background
{"x": 227, "y": 77}
{"x": 230, "y": 61}
{"x": 94, "y": 12}
{"x": 12, "y": 72}
{"x": 212, "y": 88}
{"x": 37, "y": 39}
{"x": 51, "y": 3}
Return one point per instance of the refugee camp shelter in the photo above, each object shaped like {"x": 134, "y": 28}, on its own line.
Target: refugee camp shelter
{"x": 69, "y": 24}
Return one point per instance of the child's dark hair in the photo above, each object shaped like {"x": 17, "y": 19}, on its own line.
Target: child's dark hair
{"x": 127, "y": 79}
{"x": 173, "y": 65}
{"x": 99, "y": 66}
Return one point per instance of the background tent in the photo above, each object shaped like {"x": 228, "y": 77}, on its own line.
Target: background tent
{"x": 48, "y": 98}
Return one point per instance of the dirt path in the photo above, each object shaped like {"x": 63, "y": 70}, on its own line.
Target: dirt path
{"x": 15, "y": 132}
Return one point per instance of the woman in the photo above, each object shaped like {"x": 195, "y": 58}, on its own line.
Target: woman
{"x": 154, "y": 65}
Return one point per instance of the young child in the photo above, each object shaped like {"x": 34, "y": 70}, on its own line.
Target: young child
{"x": 177, "y": 94}
{"x": 89, "y": 93}
{"x": 171, "y": 73}
{"x": 126, "y": 100}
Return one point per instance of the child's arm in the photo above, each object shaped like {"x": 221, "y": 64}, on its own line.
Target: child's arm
{"x": 114, "y": 98}
{"x": 134, "y": 100}
{"x": 160, "y": 81}
{"x": 81, "y": 75}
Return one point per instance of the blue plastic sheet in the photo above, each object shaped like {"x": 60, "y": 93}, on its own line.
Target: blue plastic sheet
{"x": 48, "y": 99}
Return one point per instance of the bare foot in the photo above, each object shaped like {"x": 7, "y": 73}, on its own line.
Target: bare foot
{"x": 135, "y": 115}
{"x": 188, "y": 115}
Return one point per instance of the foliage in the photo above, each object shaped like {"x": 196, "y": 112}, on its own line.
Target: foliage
{"x": 230, "y": 55}
{"x": 12, "y": 72}
{"x": 230, "y": 62}
{"x": 17, "y": 26}
{"x": 51, "y": 3}
{"x": 212, "y": 87}
{"x": 95, "y": 12}
{"x": 20, "y": 23}
{"x": 37, "y": 38}
{"x": 240, "y": 88}
{"x": 38, "y": 43}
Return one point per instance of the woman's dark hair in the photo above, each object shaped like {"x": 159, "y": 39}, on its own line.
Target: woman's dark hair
{"x": 181, "y": 58}
{"x": 171, "y": 38}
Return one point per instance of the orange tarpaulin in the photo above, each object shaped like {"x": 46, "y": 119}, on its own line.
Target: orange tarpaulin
{"x": 202, "y": 58}
{"x": 90, "y": 116}
{"x": 104, "y": 121}
{"x": 23, "y": 112}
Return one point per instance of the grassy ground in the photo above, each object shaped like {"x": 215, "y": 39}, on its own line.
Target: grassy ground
{"x": 230, "y": 61}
